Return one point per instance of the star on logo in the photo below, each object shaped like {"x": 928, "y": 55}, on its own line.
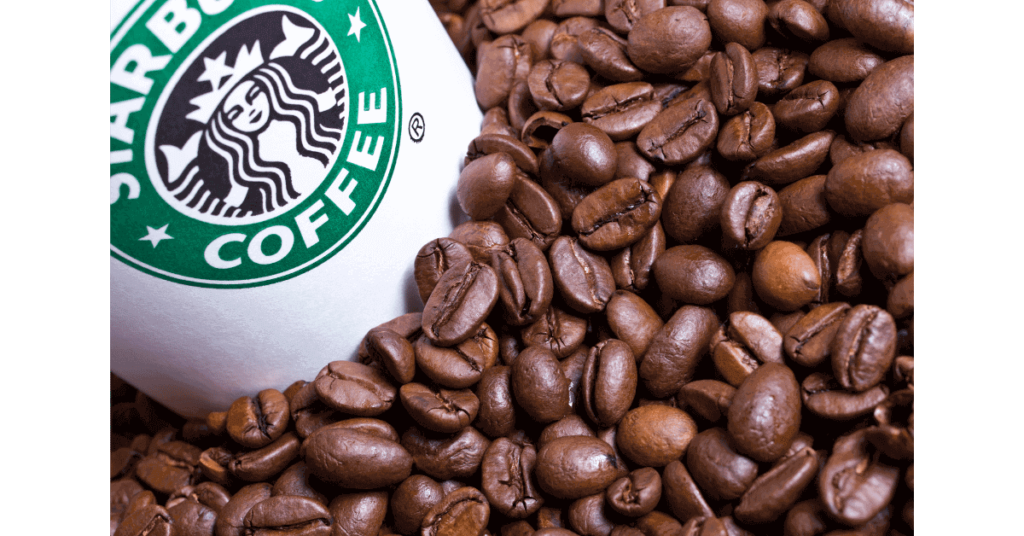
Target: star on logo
{"x": 215, "y": 71}
{"x": 357, "y": 25}
{"x": 156, "y": 235}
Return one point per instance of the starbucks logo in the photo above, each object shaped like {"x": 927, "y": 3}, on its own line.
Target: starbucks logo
{"x": 237, "y": 156}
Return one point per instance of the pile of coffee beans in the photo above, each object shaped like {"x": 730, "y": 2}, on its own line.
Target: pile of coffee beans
{"x": 682, "y": 305}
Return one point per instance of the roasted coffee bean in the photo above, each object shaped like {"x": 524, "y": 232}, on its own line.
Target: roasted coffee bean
{"x": 464, "y": 512}
{"x": 901, "y": 298}
{"x": 575, "y": 467}
{"x": 669, "y": 40}
{"x": 693, "y": 205}
{"x": 843, "y": 60}
{"x": 507, "y": 478}
{"x": 658, "y": 524}
{"x": 807, "y": 518}
{"x": 883, "y": 101}
{"x": 565, "y": 41}
{"x": 262, "y": 464}
{"x": 704, "y": 526}
{"x": 288, "y": 515}
{"x": 823, "y": 396}
{"x": 854, "y": 486}
{"x": 255, "y": 422}
{"x": 765, "y": 413}
{"x": 531, "y": 213}
{"x": 213, "y": 462}
{"x": 356, "y": 459}
{"x": 539, "y": 386}
{"x": 445, "y": 457}
{"x": 539, "y": 34}
{"x": 798, "y": 20}
{"x": 355, "y": 389}
{"x": 633, "y": 321}
{"x": 605, "y": 53}
{"x": 572, "y": 425}
{"x": 616, "y": 214}
{"x": 742, "y": 344}
{"x": 591, "y": 516}
{"x": 485, "y": 184}
{"x": 803, "y": 206}
{"x": 412, "y": 499}
{"x": 509, "y": 17}
{"x": 558, "y": 331}
{"x": 848, "y": 277}
{"x": 631, "y": 267}
{"x": 520, "y": 108}
{"x": 583, "y": 279}
{"x": 866, "y": 182}
{"x": 887, "y": 25}
{"x": 864, "y": 347}
{"x": 487, "y": 144}
{"x": 191, "y": 518}
{"x": 231, "y": 519}
{"x": 496, "y": 416}
{"x": 502, "y": 63}
{"x": 693, "y": 274}
{"x": 842, "y": 148}
{"x": 793, "y": 162}
{"x": 779, "y": 71}
{"x": 152, "y": 520}
{"x": 621, "y": 110}
{"x": 584, "y": 154}
{"x": 609, "y": 382}
{"x": 720, "y": 471}
{"x": 540, "y": 129}
{"x": 459, "y": 366}
{"x": 358, "y": 514}
{"x": 784, "y": 276}
{"x": 525, "y": 285}
{"x": 437, "y": 409}
{"x": 308, "y": 412}
{"x": 558, "y": 85}
{"x": 622, "y": 15}
{"x": 463, "y": 297}
{"x": 888, "y": 243}
{"x": 409, "y": 325}
{"x": 681, "y": 132}
{"x": 496, "y": 121}
{"x": 676, "y": 349}
{"x": 708, "y": 398}
{"x": 807, "y": 108}
{"x": 774, "y": 492}
{"x": 741, "y": 297}
{"x": 740, "y": 21}
{"x": 173, "y": 466}
{"x": 655, "y": 435}
{"x": 748, "y": 135}
{"x": 751, "y": 215}
{"x": 733, "y": 80}
{"x": 295, "y": 480}
{"x": 637, "y": 494}
{"x": 391, "y": 352}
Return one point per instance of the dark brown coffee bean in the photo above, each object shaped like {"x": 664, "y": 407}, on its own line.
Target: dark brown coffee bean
{"x": 622, "y": 15}
{"x": 507, "y": 478}
{"x": 693, "y": 274}
{"x": 575, "y": 467}
{"x": 440, "y": 410}
{"x": 358, "y": 514}
{"x": 486, "y": 144}
{"x": 708, "y": 398}
{"x": 751, "y": 215}
{"x": 809, "y": 341}
{"x": 720, "y": 471}
{"x": 630, "y": 164}
{"x": 173, "y": 466}
{"x": 392, "y": 352}
{"x": 632, "y": 321}
{"x": 779, "y": 71}
{"x": 443, "y": 456}
{"x": 463, "y": 297}
{"x": 459, "y": 366}
{"x": 843, "y": 60}
{"x": 796, "y": 19}
{"x": 267, "y": 462}
{"x": 784, "y": 276}
{"x": 864, "y": 183}
{"x": 616, "y": 214}
{"x": 356, "y": 459}
{"x": 558, "y": 85}
{"x": 637, "y": 494}
{"x": 558, "y": 331}
{"x": 888, "y": 243}
{"x": 888, "y": 25}
{"x": 509, "y": 17}
{"x": 213, "y": 463}
{"x": 123, "y": 461}
{"x": 152, "y": 520}
{"x": 621, "y": 110}
{"x": 631, "y": 267}
{"x": 803, "y": 206}
{"x": 676, "y": 349}
{"x": 655, "y": 435}
{"x": 853, "y": 485}
{"x": 412, "y": 499}
{"x": 694, "y": 203}
{"x": 901, "y": 298}
{"x": 605, "y": 53}
{"x": 409, "y": 325}
{"x": 704, "y": 526}
{"x": 288, "y": 515}
{"x": 669, "y": 40}
{"x": 583, "y": 154}
{"x": 211, "y": 495}
{"x": 231, "y": 519}
{"x": 733, "y": 80}
{"x": 591, "y": 516}
{"x": 609, "y": 382}
{"x": 572, "y": 425}
{"x": 530, "y": 213}
{"x": 540, "y": 129}
{"x": 658, "y": 523}
{"x": 355, "y": 389}
{"x": 765, "y": 413}
{"x": 848, "y": 276}
{"x": 864, "y": 347}
{"x": 525, "y": 285}
{"x": 842, "y": 148}
{"x": 254, "y": 422}
{"x": 191, "y": 518}
{"x": 539, "y": 386}
{"x": 462, "y": 513}
{"x": 583, "y": 278}
{"x": 502, "y": 63}
{"x": 295, "y": 480}
{"x": 374, "y": 427}
{"x": 793, "y": 162}
{"x": 565, "y": 41}
{"x": 496, "y": 416}
{"x": 308, "y": 412}
{"x": 748, "y": 135}
{"x": 681, "y": 132}
{"x": 807, "y": 518}
{"x": 496, "y": 121}
{"x": 742, "y": 344}
{"x": 485, "y": 184}
{"x": 741, "y": 21}
{"x": 777, "y": 490}
{"x": 807, "y": 108}
{"x": 520, "y": 108}
{"x": 883, "y": 101}
{"x": 823, "y": 396}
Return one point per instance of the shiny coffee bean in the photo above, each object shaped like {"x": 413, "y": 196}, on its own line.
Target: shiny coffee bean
{"x": 669, "y": 40}
{"x": 779, "y": 71}
{"x": 392, "y": 352}
{"x": 269, "y": 461}
{"x": 864, "y": 347}
{"x": 843, "y": 60}
{"x": 693, "y": 274}
{"x": 655, "y": 435}
{"x": 708, "y": 398}
{"x": 676, "y": 349}
{"x": 823, "y": 396}
{"x": 888, "y": 243}
{"x": 504, "y": 61}
{"x": 733, "y": 80}
{"x": 887, "y": 25}
{"x": 355, "y": 389}
{"x": 784, "y": 276}
{"x": 539, "y": 386}
{"x": 530, "y": 212}
{"x": 591, "y": 516}
{"x": 583, "y": 279}
{"x": 792, "y": 162}
{"x": 803, "y": 206}
{"x": 740, "y": 21}
{"x": 635, "y": 495}
{"x": 443, "y": 456}
{"x": 606, "y": 53}
{"x": 174, "y": 465}
{"x": 412, "y": 499}
{"x": 807, "y": 108}
{"x": 231, "y": 519}
{"x": 510, "y": 17}
{"x": 693, "y": 205}
{"x": 632, "y": 321}
{"x": 751, "y": 215}
{"x": 254, "y": 422}
{"x": 883, "y": 101}
{"x": 774, "y": 492}
{"x": 358, "y": 514}
{"x": 575, "y": 467}
{"x": 496, "y": 416}
{"x": 765, "y": 413}
{"x": 459, "y": 303}
{"x": 866, "y": 182}
{"x": 609, "y": 382}
{"x": 558, "y": 331}
{"x": 507, "y": 478}
{"x": 616, "y": 214}
{"x": 621, "y": 110}
{"x": 288, "y": 515}
{"x": 525, "y": 285}
{"x": 464, "y": 512}
{"x": 631, "y": 267}
{"x": 488, "y": 144}
{"x": 799, "y": 21}
{"x": 437, "y": 409}
{"x": 459, "y": 366}
{"x": 720, "y": 471}
{"x": 485, "y": 184}
{"x": 356, "y": 459}
{"x": 681, "y": 132}
{"x": 809, "y": 341}
{"x": 583, "y": 154}
{"x": 742, "y": 344}
{"x": 747, "y": 136}
{"x": 854, "y": 486}
{"x": 558, "y": 85}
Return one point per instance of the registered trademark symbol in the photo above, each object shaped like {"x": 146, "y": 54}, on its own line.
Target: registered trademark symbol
{"x": 417, "y": 127}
